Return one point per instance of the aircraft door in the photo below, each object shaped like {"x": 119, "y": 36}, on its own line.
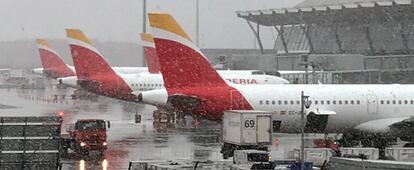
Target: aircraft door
{"x": 372, "y": 103}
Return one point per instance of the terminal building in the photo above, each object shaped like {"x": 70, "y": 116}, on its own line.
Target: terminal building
{"x": 339, "y": 41}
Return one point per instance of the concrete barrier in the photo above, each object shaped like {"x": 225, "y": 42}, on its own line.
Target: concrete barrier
{"x": 337, "y": 163}
{"x": 401, "y": 154}
{"x": 316, "y": 155}
{"x": 172, "y": 165}
{"x": 371, "y": 153}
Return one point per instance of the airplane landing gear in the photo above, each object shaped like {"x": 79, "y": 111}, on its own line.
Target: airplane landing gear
{"x": 163, "y": 120}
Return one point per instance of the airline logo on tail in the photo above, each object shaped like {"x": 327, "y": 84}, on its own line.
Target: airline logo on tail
{"x": 173, "y": 44}
{"x": 87, "y": 59}
{"x": 94, "y": 73}
{"x": 52, "y": 64}
{"x": 191, "y": 83}
{"x": 150, "y": 52}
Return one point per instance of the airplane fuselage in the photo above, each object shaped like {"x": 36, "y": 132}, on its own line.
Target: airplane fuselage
{"x": 344, "y": 105}
{"x": 337, "y": 106}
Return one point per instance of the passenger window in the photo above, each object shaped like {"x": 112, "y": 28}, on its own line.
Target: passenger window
{"x": 267, "y": 102}
{"x": 286, "y": 102}
{"x": 273, "y": 102}
{"x": 393, "y": 102}
{"x": 292, "y": 102}
{"x": 405, "y": 101}
{"x": 297, "y": 102}
{"x": 388, "y": 102}
{"x": 316, "y": 102}
{"x": 399, "y": 102}
{"x": 412, "y": 101}
{"x": 358, "y": 102}
{"x": 140, "y": 85}
{"x": 382, "y": 101}
{"x": 334, "y": 102}
{"x": 346, "y": 102}
{"x": 261, "y": 102}
{"x": 280, "y": 102}
{"x": 339, "y": 101}
{"x": 352, "y": 102}
{"x": 321, "y": 101}
{"x": 328, "y": 102}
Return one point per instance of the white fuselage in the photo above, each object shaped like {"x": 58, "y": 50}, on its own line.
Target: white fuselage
{"x": 346, "y": 105}
{"x": 118, "y": 70}
{"x": 145, "y": 81}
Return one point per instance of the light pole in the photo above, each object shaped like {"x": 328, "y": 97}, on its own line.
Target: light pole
{"x": 305, "y": 104}
{"x": 144, "y": 27}
{"x": 197, "y": 22}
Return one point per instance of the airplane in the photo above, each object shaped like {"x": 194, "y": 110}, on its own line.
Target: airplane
{"x": 54, "y": 67}
{"x": 150, "y": 53}
{"x": 334, "y": 108}
{"x": 95, "y": 75}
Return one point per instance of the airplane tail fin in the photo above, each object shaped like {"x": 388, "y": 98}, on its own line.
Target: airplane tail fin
{"x": 181, "y": 61}
{"x": 150, "y": 52}
{"x": 94, "y": 73}
{"x": 52, "y": 64}
{"x": 87, "y": 59}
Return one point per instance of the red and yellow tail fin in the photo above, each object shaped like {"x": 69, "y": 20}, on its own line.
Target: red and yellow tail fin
{"x": 181, "y": 61}
{"x": 150, "y": 53}
{"x": 88, "y": 61}
{"x": 91, "y": 66}
{"x": 52, "y": 64}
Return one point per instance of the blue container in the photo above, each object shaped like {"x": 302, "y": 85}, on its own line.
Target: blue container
{"x": 296, "y": 166}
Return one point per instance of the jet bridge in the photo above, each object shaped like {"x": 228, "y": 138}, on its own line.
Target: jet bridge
{"x": 30, "y": 142}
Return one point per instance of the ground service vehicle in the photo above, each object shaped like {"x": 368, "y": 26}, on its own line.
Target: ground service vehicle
{"x": 249, "y": 156}
{"x": 86, "y": 135}
{"x": 245, "y": 129}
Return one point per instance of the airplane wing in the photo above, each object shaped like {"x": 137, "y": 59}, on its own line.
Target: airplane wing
{"x": 388, "y": 129}
{"x": 385, "y": 125}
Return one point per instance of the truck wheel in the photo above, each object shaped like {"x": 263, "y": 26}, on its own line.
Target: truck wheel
{"x": 227, "y": 150}
{"x": 64, "y": 152}
{"x": 85, "y": 153}
{"x": 101, "y": 153}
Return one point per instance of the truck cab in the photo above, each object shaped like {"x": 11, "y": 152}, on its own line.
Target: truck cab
{"x": 88, "y": 135}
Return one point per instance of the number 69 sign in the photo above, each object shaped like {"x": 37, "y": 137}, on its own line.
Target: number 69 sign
{"x": 249, "y": 123}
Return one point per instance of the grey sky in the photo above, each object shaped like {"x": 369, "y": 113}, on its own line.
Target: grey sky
{"x": 120, "y": 20}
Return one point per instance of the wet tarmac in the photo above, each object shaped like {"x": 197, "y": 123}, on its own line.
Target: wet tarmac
{"x": 127, "y": 140}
